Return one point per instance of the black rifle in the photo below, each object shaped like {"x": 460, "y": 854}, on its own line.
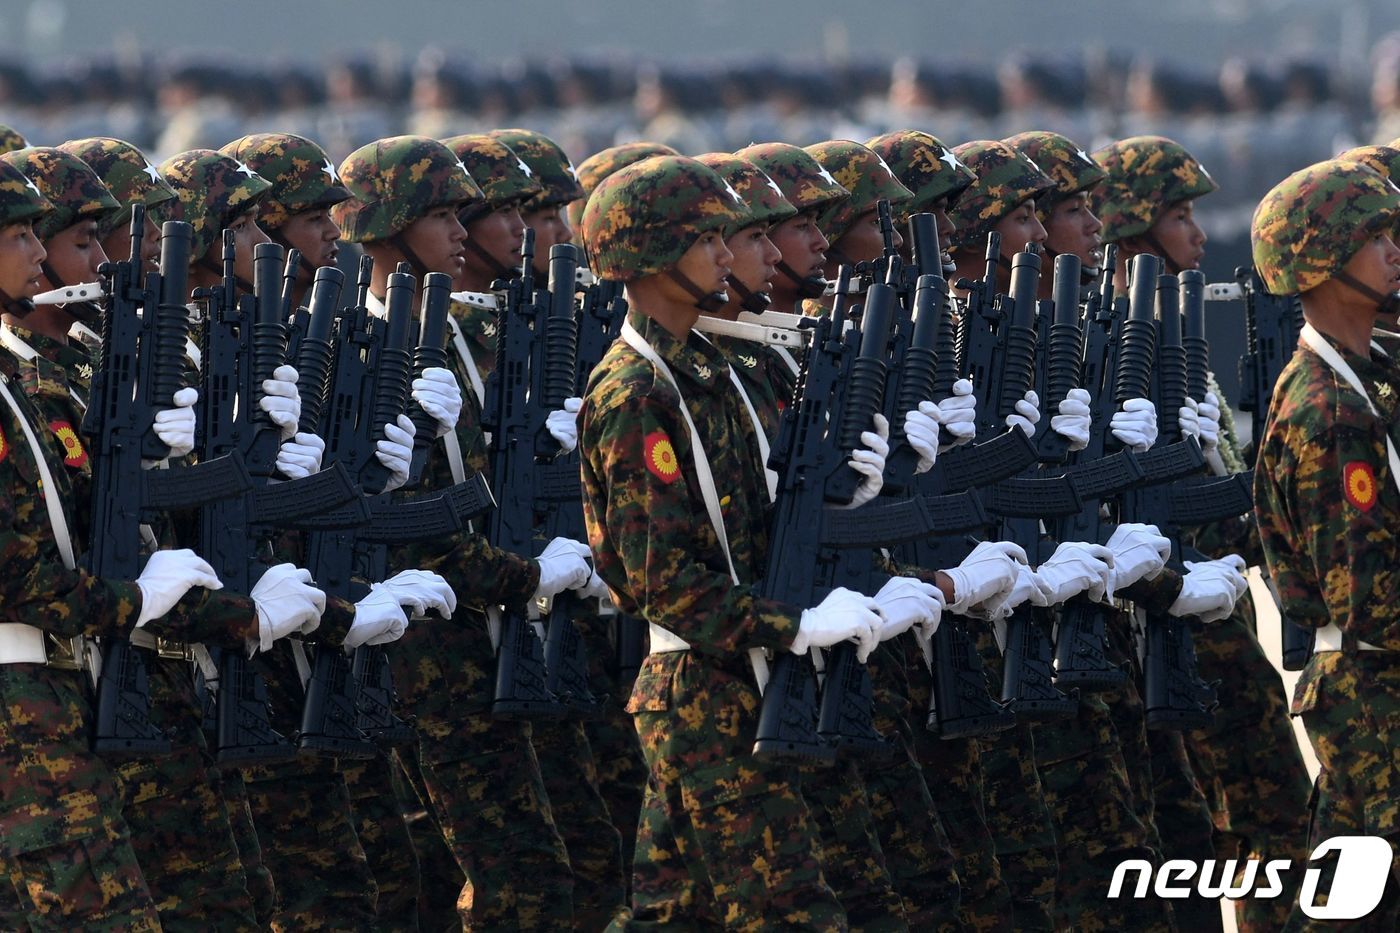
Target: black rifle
{"x": 118, "y": 425}
{"x": 1272, "y": 326}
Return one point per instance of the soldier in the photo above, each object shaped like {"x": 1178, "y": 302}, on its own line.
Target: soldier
{"x": 545, "y": 212}
{"x": 600, "y": 165}
{"x": 126, "y": 172}
{"x": 1325, "y": 493}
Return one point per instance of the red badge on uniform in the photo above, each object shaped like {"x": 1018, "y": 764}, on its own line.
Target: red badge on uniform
{"x": 661, "y": 457}
{"x": 1359, "y": 485}
{"x": 4, "y": 447}
{"x": 73, "y": 453}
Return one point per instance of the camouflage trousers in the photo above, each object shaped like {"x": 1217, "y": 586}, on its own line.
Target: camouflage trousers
{"x": 1249, "y": 765}
{"x": 726, "y": 840}
{"x": 181, "y": 827}
{"x": 440, "y": 878}
{"x": 67, "y": 852}
{"x": 378, "y": 823}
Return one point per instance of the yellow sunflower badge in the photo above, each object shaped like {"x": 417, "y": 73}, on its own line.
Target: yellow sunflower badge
{"x": 73, "y": 453}
{"x": 661, "y": 457}
{"x": 1359, "y": 485}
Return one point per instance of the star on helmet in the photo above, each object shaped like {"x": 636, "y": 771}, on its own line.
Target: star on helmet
{"x": 729, "y": 189}
{"x": 1084, "y": 155}
{"x": 524, "y": 168}
{"x": 826, "y": 176}
{"x": 329, "y": 169}
{"x": 1032, "y": 163}
{"x": 881, "y": 160}
{"x": 570, "y": 167}
{"x": 953, "y": 161}
{"x": 773, "y": 185}
{"x": 463, "y": 168}
{"x": 1203, "y": 171}
{"x": 152, "y": 172}
{"x": 245, "y": 170}
{"x": 29, "y": 183}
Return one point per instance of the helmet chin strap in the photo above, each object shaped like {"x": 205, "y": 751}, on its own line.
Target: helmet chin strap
{"x": 1386, "y": 303}
{"x": 243, "y": 284}
{"x": 705, "y": 301}
{"x": 808, "y": 286}
{"x": 750, "y": 300}
{"x": 397, "y": 242}
{"x": 19, "y": 307}
{"x": 498, "y": 269}
{"x": 1088, "y": 274}
{"x": 1173, "y": 267}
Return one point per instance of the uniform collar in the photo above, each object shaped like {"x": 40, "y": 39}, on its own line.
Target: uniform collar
{"x": 694, "y": 359}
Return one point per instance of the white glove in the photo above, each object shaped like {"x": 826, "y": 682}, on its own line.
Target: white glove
{"x": 421, "y": 591}
{"x": 595, "y": 588}
{"x": 1187, "y": 420}
{"x": 1026, "y": 414}
{"x": 379, "y": 619}
{"x": 1027, "y": 588}
{"x": 921, "y": 430}
{"x": 1072, "y": 423}
{"x": 1138, "y": 551}
{"x": 987, "y": 575}
{"x": 904, "y": 602}
{"x": 869, "y": 462}
{"x": 287, "y": 602}
{"x": 300, "y": 457}
{"x": 1135, "y": 425}
{"x": 440, "y": 396}
{"x": 396, "y": 451}
{"x": 167, "y": 576}
{"x": 1076, "y": 567}
{"x": 1209, "y": 414}
{"x": 175, "y": 426}
{"x": 1210, "y": 589}
{"x": 562, "y": 424}
{"x": 958, "y": 414}
{"x": 281, "y": 400}
{"x": 844, "y": 614}
{"x": 563, "y": 566}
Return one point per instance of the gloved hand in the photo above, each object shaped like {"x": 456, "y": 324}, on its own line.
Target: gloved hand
{"x": 595, "y": 588}
{"x": 1209, "y": 414}
{"x": 1210, "y": 589}
{"x": 1138, "y": 551}
{"x": 396, "y": 450}
{"x": 287, "y": 602}
{"x": 440, "y": 396}
{"x": 1026, "y": 414}
{"x": 904, "y": 602}
{"x": 1135, "y": 425}
{"x": 175, "y": 426}
{"x": 921, "y": 430}
{"x": 843, "y": 614}
{"x": 563, "y": 566}
{"x": 301, "y": 456}
{"x": 1072, "y": 423}
{"x": 281, "y": 400}
{"x": 958, "y": 414}
{"x": 562, "y": 424}
{"x": 167, "y": 576}
{"x": 1076, "y": 567}
{"x": 420, "y": 591}
{"x": 869, "y": 462}
{"x": 1027, "y": 588}
{"x": 379, "y": 619}
{"x": 987, "y": 575}
{"x": 1187, "y": 420}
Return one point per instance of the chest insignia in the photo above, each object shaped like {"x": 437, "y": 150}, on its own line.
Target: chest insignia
{"x": 73, "y": 453}
{"x": 1359, "y": 485}
{"x": 661, "y": 457}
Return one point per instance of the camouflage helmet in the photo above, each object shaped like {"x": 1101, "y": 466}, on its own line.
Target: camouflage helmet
{"x": 21, "y": 201}
{"x": 1068, "y": 166}
{"x": 551, "y": 166}
{"x": 394, "y": 181}
{"x": 1006, "y": 178}
{"x": 211, "y": 191}
{"x": 925, "y": 166}
{"x": 602, "y": 164}
{"x": 1384, "y": 160}
{"x": 641, "y": 220}
{"x": 804, "y": 181}
{"x": 127, "y": 174}
{"x": 302, "y": 176}
{"x": 10, "y": 139}
{"x": 504, "y": 177}
{"x": 861, "y": 171}
{"x": 1146, "y": 176}
{"x": 762, "y": 198}
{"x": 73, "y": 189}
{"x": 1311, "y": 224}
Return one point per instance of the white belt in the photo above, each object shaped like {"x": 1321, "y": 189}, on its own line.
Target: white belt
{"x": 22, "y": 644}
{"x": 663, "y": 641}
{"x": 1329, "y": 638}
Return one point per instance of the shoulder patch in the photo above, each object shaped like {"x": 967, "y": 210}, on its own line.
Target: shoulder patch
{"x": 4, "y": 446}
{"x": 1359, "y": 485}
{"x": 661, "y": 457}
{"x": 73, "y": 453}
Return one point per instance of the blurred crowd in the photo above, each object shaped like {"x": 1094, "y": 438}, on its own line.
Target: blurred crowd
{"x": 1250, "y": 122}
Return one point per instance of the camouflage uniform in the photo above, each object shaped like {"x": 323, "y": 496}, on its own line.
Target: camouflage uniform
{"x": 10, "y": 139}
{"x": 480, "y": 774}
{"x": 1325, "y": 498}
{"x": 725, "y": 838}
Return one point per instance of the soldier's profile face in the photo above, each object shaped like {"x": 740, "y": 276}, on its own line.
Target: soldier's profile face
{"x": 1180, "y": 236}
{"x": 246, "y": 236}
{"x": 708, "y": 262}
{"x": 315, "y": 234}
{"x": 117, "y": 244}
{"x": 1073, "y": 229}
{"x": 437, "y": 238}
{"x": 863, "y": 241}
{"x": 1019, "y": 227}
{"x": 551, "y": 226}
{"x": 801, "y": 244}
{"x": 1376, "y": 264}
{"x": 20, "y": 256}
{"x": 499, "y": 233}
{"x": 75, "y": 254}
{"x": 755, "y": 258}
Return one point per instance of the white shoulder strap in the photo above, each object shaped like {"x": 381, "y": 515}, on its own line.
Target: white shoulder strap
{"x": 763, "y": 447}
{"x": 788, "y": 359}
{"x": 61, "y": 533}
{"x": 1319, "y": 345}
{"x": 464, "y": 353}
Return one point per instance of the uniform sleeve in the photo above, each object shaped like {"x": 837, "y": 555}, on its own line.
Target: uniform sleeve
{"x": 652, "y": 540}
{"x": 214, "y": 616}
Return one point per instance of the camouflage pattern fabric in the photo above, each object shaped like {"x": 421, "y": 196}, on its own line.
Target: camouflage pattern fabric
{"x": 73, "y": 189}
{"x": 548, "y": 165}
{"x": 10, "y": 139}
{"x": 378, "y": 825}
{"x": 261, "y": 885}
{"x": 503, "y": 176}
{"x": 1310, "y": 224}
{"x": 1383, "y": 160}
{"x": 642, "y": 219}
{"x": 395, "y": 181}
{"x": 600, "y": 165}
{"x": 20, "y": 198}
{"x": 126, "y": 173}
{"x": 804, "y": 182}
{"x": 1005, "y": 179}
{"x": 925, "y": 166}
{"x": 865, "y": 175}
{"x": 763, "y": 198}
{"x": 766, "y": 377}
{"x": 1184, "y": 821}
{"x": 1146, "y": 176}
{"x": 440, "y": 878}
{"x": 211, "y": 191}
{"x": 301, "y": 174}
{"x": 725, "y": 838}
{"x": 479, "y": 326}
{"x": 1068, "y": 166}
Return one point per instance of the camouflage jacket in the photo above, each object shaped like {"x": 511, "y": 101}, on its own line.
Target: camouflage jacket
{"x": 765, "y": 376}
{"x": 648, "y": 527}
{"x": 479, "y": 328}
